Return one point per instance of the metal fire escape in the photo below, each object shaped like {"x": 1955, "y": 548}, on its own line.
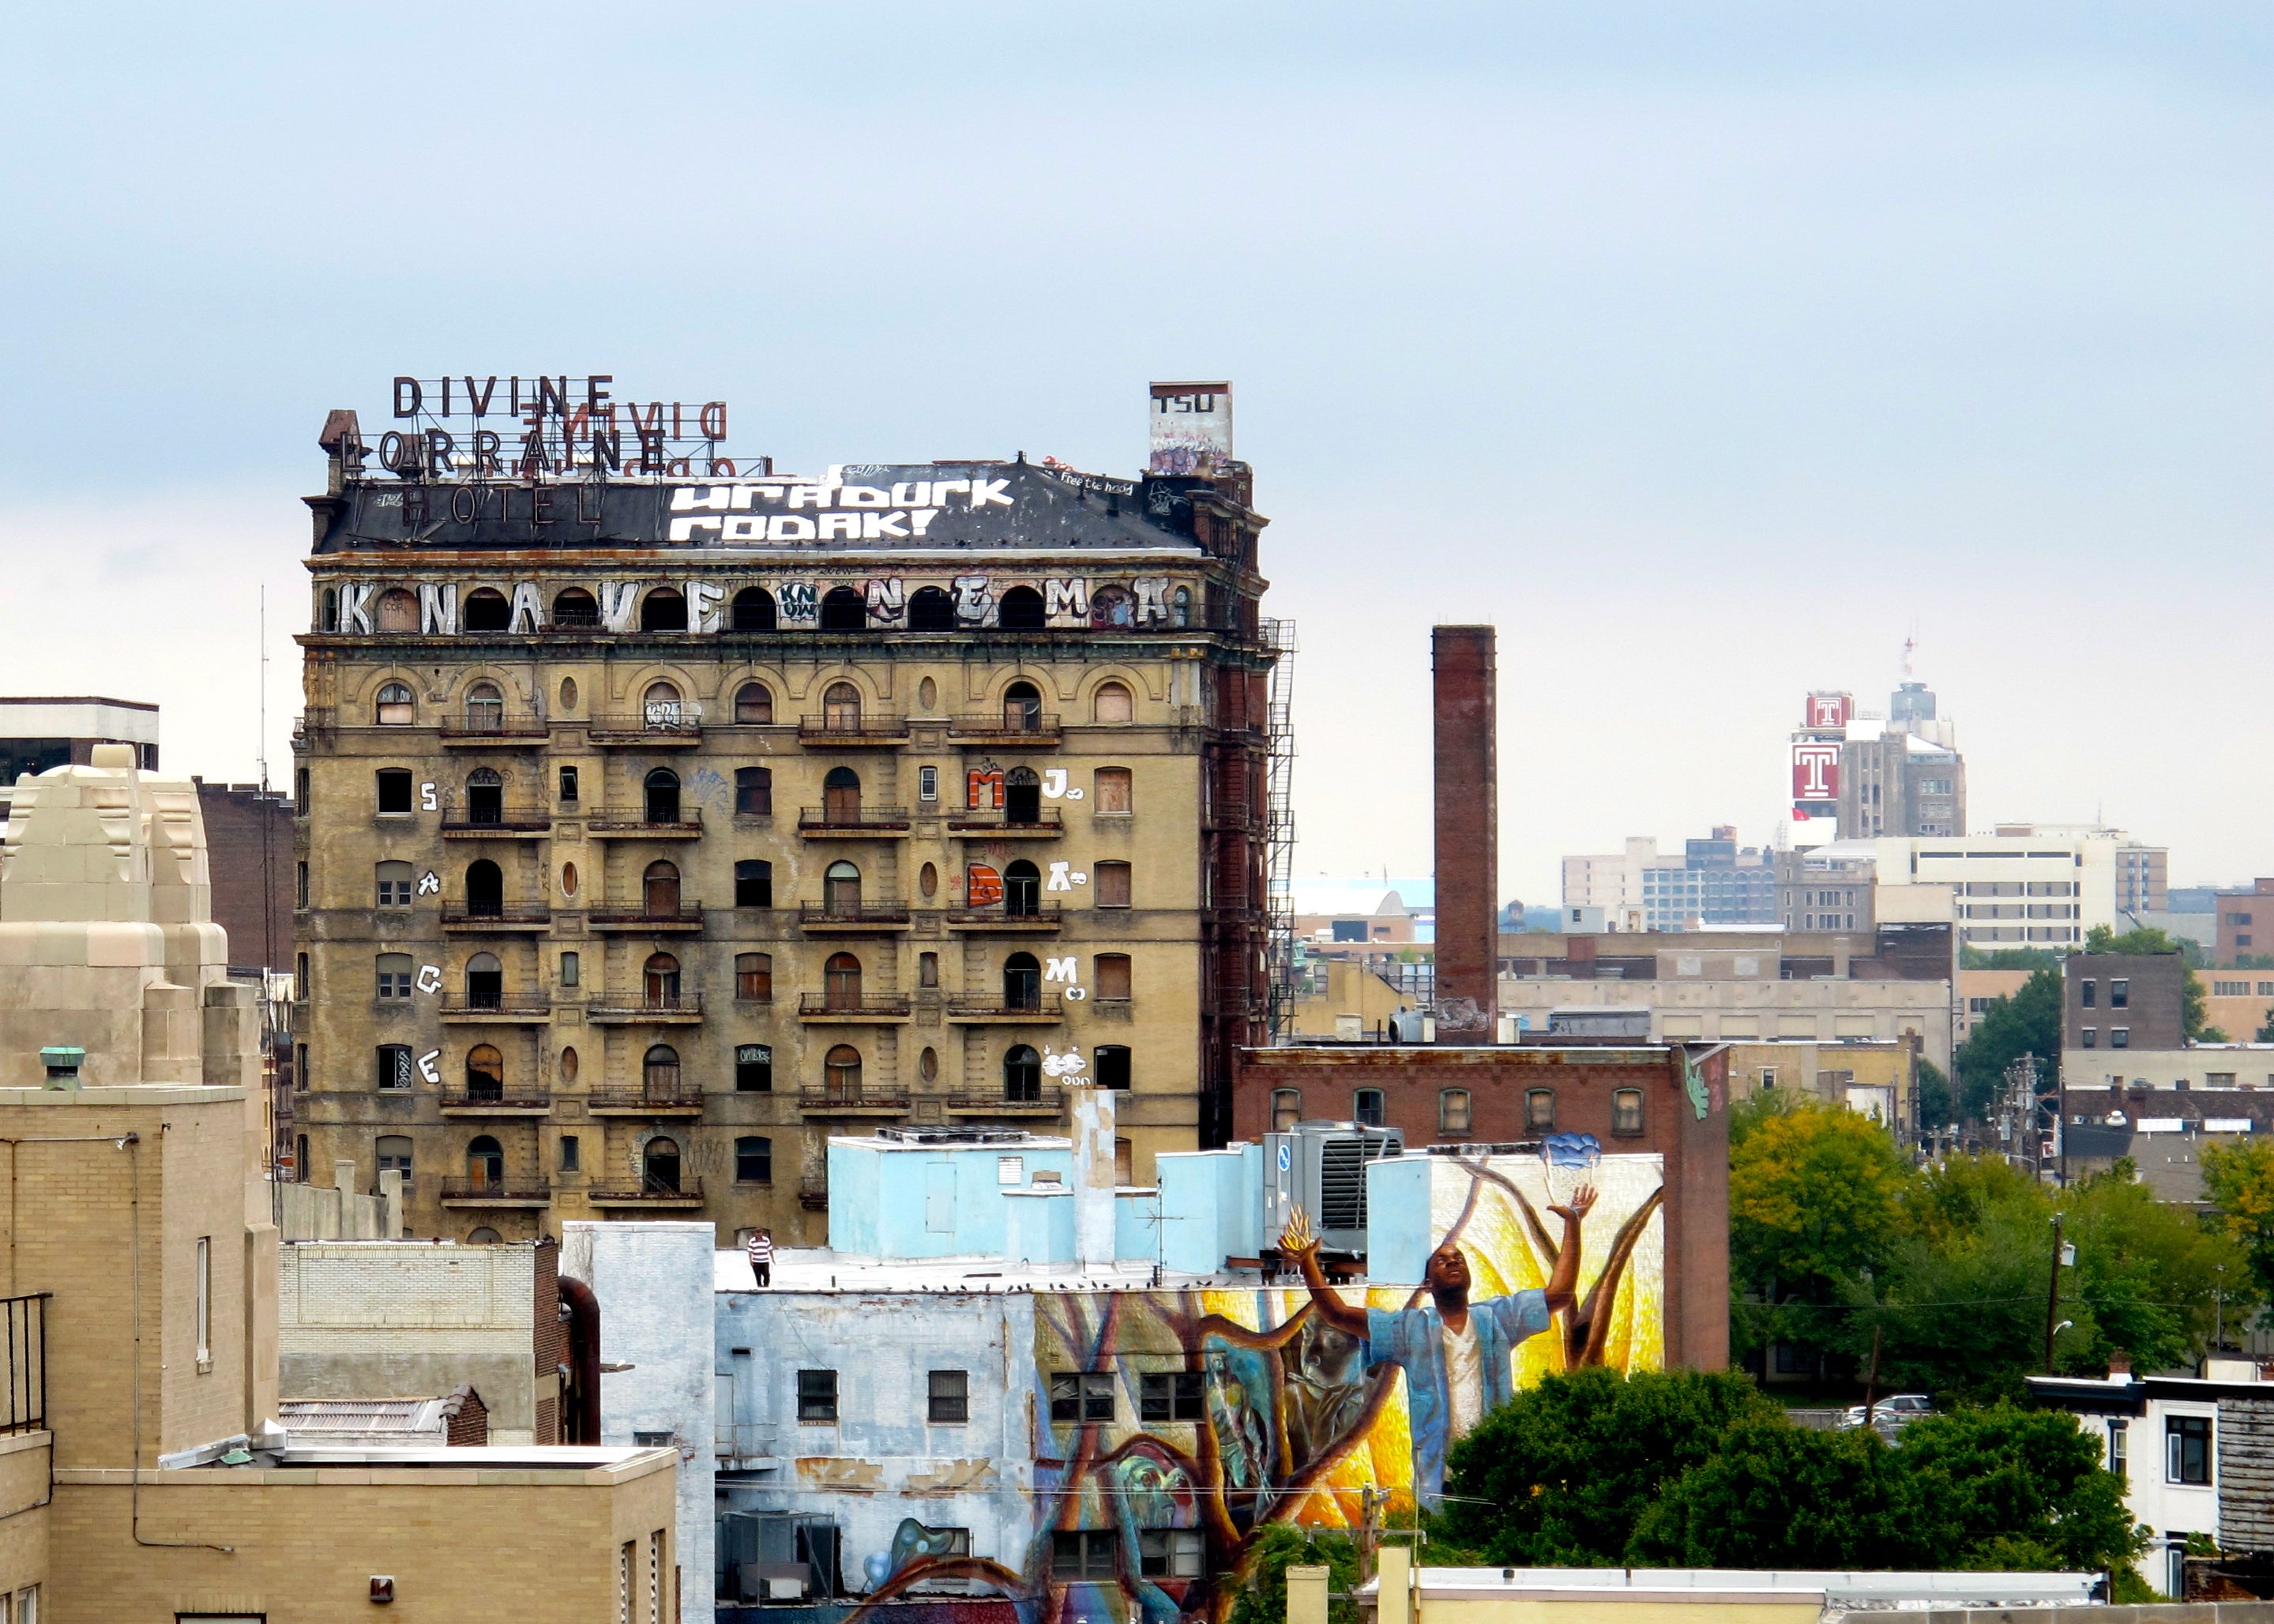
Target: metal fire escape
{"x": 1279, "y": 831}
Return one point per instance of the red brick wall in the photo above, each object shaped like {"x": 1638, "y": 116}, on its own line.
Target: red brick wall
{"x": 1697, "y": 1150}
{"x": 551, "y": 1335}
{"x": 236, "y": 816}
{"x": 1465, "y": 679}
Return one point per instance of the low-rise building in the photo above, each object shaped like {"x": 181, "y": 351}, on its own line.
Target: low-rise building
{"x": 2195, "y": 1068}
{"x": 2239, "y": 1003}
{"x": 2123, "y": 1000}
{"x": 1890, "y": 983}
{"x": 1712, "y": 884}
{"x": 1978, "y": 990}
{"x": 2196, "y": 1453}
{"x": 1878, "y": 1077}
{"x": 2243, "y": 937}
{"x": 2160, "y": 1135}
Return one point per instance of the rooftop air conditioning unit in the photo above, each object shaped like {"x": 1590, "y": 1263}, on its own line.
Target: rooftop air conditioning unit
{"x": 1320, "y": 1167}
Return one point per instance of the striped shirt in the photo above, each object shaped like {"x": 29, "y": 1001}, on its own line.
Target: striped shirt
{"x": 762, "y": 1249}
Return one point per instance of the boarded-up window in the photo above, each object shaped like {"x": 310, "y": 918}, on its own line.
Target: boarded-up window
{"x": 1113, "y": 790}
{"x": 1111, "y": 883}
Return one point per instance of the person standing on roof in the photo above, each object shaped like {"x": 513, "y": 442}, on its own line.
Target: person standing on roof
{"x": 762, "y": 1256}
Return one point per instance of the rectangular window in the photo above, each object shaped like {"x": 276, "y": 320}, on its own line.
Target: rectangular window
{"x": 1173, "y": 1395}
{"x": 1079, "y": 1397}
{"x": 1454, "y": 1113}
{"x": 205, "y": 1299}
{"x": 395, "y": 883}
{"x": 2187, "y": 1442}
{"x": 567, "y": 786}
{"x": 300, "y": 1158}
{"x": 1110, "y": 881}
{"x": 1169, "y": 1553}
{"x": 753, "y": 792}
{"x": 2091, "y": 1036}
{"x": 754, "y": 1068}
{"x": 1082, "y": 1554}
{"x": 2088, "y": 993}
{"x": 1286, "y": 1109}
{"x": 300, "y": 978}
{"x": 753, "y": 883}
{"x": 1113, "y": 794}
{"x": 817, "y": 1395}
{"x": 624, "y": 1580}
{"x": 1112, "y": 1061}
{"x": 2119, "y": 1447}
{"x": 300, "y": 792}
{"x": 571, "y": 968}
{"x": 1112, "y": 976}
{"x": 754, "y": 1160}
{"x": 1626, "y": 1112}
{"x": 395, "y": 971}
{"x": 2120, "y": 1037}
{"x": 299, "y": 1068}
{"x": 2119, "y": 994}
{"x": 28, "y": 1606}
{"x": 570, "y": 1153}
{"x": 927, "y": 969}
{"x": 394, "y": 1066}
{"x": 948, "y": 1397}
{"x": 753, "y": 977}
{"x": 927, "y": 784}
{"x": 394, "y": 791}
{"x": 1539, "y": 1108}
{"x": 299, "y": 884}
{"x": 655, "y": 1577}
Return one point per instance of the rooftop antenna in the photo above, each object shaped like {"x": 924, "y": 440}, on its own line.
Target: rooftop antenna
{"x": 1910, "y": 641}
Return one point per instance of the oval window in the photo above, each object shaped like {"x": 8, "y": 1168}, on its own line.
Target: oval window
{"x": 928, "y": 1067}
{"x": 567, "y": 879}
{"x": 567, "y": 1065}
{"x": 926, "y": 693}
{"x": 928, "y": 880}
{"x": 567, "y": 693}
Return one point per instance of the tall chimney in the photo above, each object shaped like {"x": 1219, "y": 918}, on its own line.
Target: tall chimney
{"x": 1465, "y": 677}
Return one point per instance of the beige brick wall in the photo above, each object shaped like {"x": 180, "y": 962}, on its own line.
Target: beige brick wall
{"x": 464, "y": 1548}
{"x": 25, "y": 1459}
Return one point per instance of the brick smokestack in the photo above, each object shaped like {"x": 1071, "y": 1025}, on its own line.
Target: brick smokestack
{"x": 1465, "y": 677}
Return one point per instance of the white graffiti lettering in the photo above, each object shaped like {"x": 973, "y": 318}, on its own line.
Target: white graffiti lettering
{"x": 1054, "y": 782}
{"x": 430, "y": 884}
{"x": 887, "y": 604}
{"x": 428, "y": 800}
{"x": 430, "y": 978}
{"x": 528, "y": 608}
{"x": 618, "y": 600}
{"x": 1064, "y": 597}
{"x": 975, "y": 604}
{"x": 1068, "y": 1064}
{"x": 703, "y": 601}
{"x": 355, "y": 605}
{"x": 427, "y": 1066}
{"x": 1060, "y": 969}
{"x": 438, "y": 608}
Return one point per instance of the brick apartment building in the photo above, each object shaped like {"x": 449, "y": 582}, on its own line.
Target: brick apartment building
{"x": 2123, "y": 1000}
{"x": 2246, "y": 922}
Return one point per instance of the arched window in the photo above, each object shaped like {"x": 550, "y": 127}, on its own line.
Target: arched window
{"x": 754, "y": 1160}
{"x": 841, "y": 796}
{"x": 1112, "y": 609}
{"x": 841, "y": 1072}
{"x": 395, "y": 880}
{"x": 485, "y": 1163}
{"x": 396, "y": 708}
{"x": 1366, "y": 1108}
{"x": 575, "y": 608}
{"x": 398, "y": 611}
{"x": 1022, "y": 1074}
{"x": 486, "y": 610}
{"x": 1180, "y": 606}
{"x": 932, "y": 609}
{"x": 663, "y": 610}
{"x": 1454, "y": 1114}
{"x": 659, "y": 890}
{"x": 1022, "y": 887}
{"x": 753, "y": 977}
{"x": 485, "y": 889}
{"x": 1022, "y": 707}
{"x": 330, "y": 622}
{"x": 484, "y": 983}
{"x": 1112, "y": 702}
{"x": 485, "y": 1073}
{"x": 753, "y": 792}
{"x": 662, "y": 803}
{"x": 659, "y": 1167}
{"x": 485, "y": 797}
{"x": 754, "y": 610}
{"x": 662, "y": 973}
{"x": 1286, "y": 1109}
{"x": 840, "y": 981}
{"x": 484, "y": 1237}
{"x": 1022, "y": 982}
{"x": 659, "y": 1073}
{"x": 754, "y": 705}
{"x": 840, "y": 889}
{"x": 1111, "y": 977}
{"x": 660, "y": 707}
{"x": 840, "y": 708}
{"x": 842, "y": 610}
{"x": 1022, "y": 796}
{"x": 1021, "y": 610}
{"x": 485, "y": 708}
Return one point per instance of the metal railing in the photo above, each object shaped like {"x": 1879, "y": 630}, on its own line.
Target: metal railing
{"x": 649, "y": 1190}
{"x": 824, "y": 1101}
{"x": 463, "y": 912}
{"x": 499, "y": 1003}
{"x": 1004, "y": 725}
{"x": 994, "y": 1006}
{"x": 690, "y": 821}
{"x": 854, "y": 913}
{"x": 1042, "y": 916}
{"x": 640, "y": 915}
{"x": 686, "y": 1006}
{"x": 684, "y": 1097}
{"x": 495, "y": 1190}
{"x": 24, "y": 1327}
{"x": 853, "y": 1007}
{"x": 456, "y": 815}
{"x": 1043, "y": 1100}
{"x": 502, "y": 725}
{"x": 853, "y": 727}
{"x": 852, "y": 818}
{"x": 463, "y": 1101}
{"x": 979, "y": 818}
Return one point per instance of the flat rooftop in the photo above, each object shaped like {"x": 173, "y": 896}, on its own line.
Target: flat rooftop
{"x": 817, "y": 1269}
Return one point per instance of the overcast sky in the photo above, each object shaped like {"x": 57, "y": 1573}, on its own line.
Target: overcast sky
{"x": 1708, "y": 350}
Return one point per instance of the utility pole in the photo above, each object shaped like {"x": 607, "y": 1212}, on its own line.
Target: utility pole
{"x": 1872, "y": 1382}
{"x": 1369, "y": 1529}
{"x": 2052, "y": 1295}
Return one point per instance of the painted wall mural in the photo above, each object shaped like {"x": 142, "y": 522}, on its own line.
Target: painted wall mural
{"x": 1172, "y": 1426}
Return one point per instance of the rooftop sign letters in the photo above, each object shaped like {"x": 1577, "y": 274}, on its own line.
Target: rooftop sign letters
{"x": 513, "y": 427}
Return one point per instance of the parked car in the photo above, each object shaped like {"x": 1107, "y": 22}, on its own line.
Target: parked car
{"x": 1897, "y": 1407}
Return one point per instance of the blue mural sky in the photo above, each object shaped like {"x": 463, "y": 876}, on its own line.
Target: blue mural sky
{"x": 1711, "y": 351}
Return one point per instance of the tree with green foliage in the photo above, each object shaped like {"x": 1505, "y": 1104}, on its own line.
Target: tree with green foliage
{"x": 1262, "y": 1598}
{"x": 1934, "y": 1097}
{"x": 2021, "y": 1489}
{"x": 2007, "y": 958}
{"x": 1776, "y": 1495}
{"x": 2029, "y": 1022}
{"x": 2151, "y": 1280}
{"x": 2238, "y": 1178}
{"x": 1559, "y": 1476}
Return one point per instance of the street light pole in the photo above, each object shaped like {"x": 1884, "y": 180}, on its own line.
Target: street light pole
{"x": 2052, "y": 1294}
